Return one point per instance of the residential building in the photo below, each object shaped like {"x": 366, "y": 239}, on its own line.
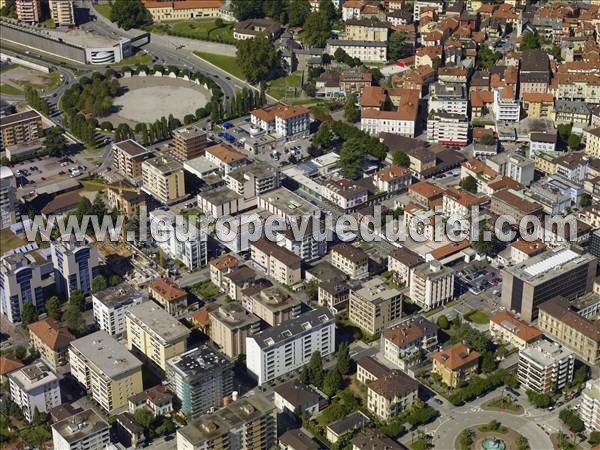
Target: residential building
{"x": 365, "y": 30}
{"x": 75, "y": 265}
{"x": 425, "y": 194}
{"x": 506, "y": 106}
{"x": 451, "y": 98}
{"x": 308, "y": 244}
{"x": 459, "y": 203}
{"x": 351, "y": 260}
{"x": 287, "y": 347}
{"x": 20, "y": 283}
{"x": 220, "y": 267}
{"x": 572, "y": 166}
{"x": 62, "y": 12}
{"x": 509, "y": 203}
{"x": 183, "y": 10}
{"x": 128, "y": 432}
{"x": 289, "y": 122}
{"x": 162, "y": 178}
{"x": 251, "y": 28}
{"x": 345, "y": 193}
{"x": 129, "y": 202}
{"x": 272, "y": 305}
{"x": 521, "y": 250}
{"x": 190, "y": 142}
{"x": 589, "y": 410}
{"x": 105, "y": 367}
{"x": 448, "y": 128}
{"x": 169, "y": 295}
{"x": 109, "y": 306}
{"x": 374, "y": 306}
{"x": 155, "y": 333}
{"x": 401, "y": 261}
{"x": 29, "y": 11}
{"x": 545, "y": 367}
{"x": 34, "y": 388}
{"x": 247, "y": 424}
{"x": 158, "y": 400}
{"x": 347, "y": 424}
{"x": 544, "y": 276}
{"x": 230, "y": 325}
{"x": 507, "y": 328}
{"x": 514, "y": 166}
{"x": 407, "y": 343}
{"x": 538, "y": 105}
{"x": 366, "y": 51}
{"x": 297, "y": 439}
{"x": 369, "y": 369}
{"x": 534, "y": 73}
{"x": 392, "y": 179}
{"x": 333, "y": 294}
{"x": 571, "y": 111}
{"x": 21, "y": 128}
{"x": 389, "y": 110}
{"x": 374, "y": 440}
{"x": 8, "y": 364}
{"x": 51, "y": 340}
{"x": 391, "y": 394}
{"x": 579, "y": 334}
{"x": 456, "y": 364}
{"x": 201, "y": 379}
{"x": 128, "y": 157}
{"x": 592, "y": 144}
{"x": 253, "y": 179}
{"x": 294, "y": 396}
{"x": 422, "y": 4}
{"x": 431, "y": 285}
{"x": 85, "y": 430}
{"x": 8, "y": 197}
{"x": 277, "y": 262}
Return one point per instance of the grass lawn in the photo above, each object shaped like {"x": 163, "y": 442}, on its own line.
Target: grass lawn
{"x": 503, "y": 404}
{"x": 205, "y": 290}
{"x": 478, "y": 317}
{"x": 49, "y": 23}
{"x": 10, "y": 240}
{"x": 104, "y": 9}
{"x": 204, "y": 30}
{"x": 138, "y": 58}
{"x": 289, "y": 86}
{"x": 227, "y": 63}
{"x": 7, "y": 89}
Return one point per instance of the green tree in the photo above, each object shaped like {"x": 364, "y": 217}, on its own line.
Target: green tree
{"x": 55, "y": 143}
{"x": 247, "y": 9}
{"x": 20, "y": 352}
{"x": 332, "y": 382}
{"x": 327, "y": 9}
{"x": 256, "y": 58}
{"x": 488, "y": 362}
{"x": 77, "y": 299}
{"x": 114, "y": 280}
{"x": 28, "y": 314}
{"x": 297, "y": 11}
{"x": 487, "y": 57}
{"x": 351, "y": 111}
{"x": 572, "y": 420}
{"x": 316, "y": 30}
{"x": 343, "y": 359}
{"x": 574, "y": 141}
{"x": 9, "y": 9}
{"x": 53, "y": 307}
{"x": 399, "y": 158}
{"x": 144, "y": 418}
{"x": 539, "y": 400}
{"x": 323, "y": 138}
{"x": 165, "y": 428}
{"x": 312, "y": 372}
{"x": 129, "y": 14}
{"x": 99, "y": 283}
{"x": 73, "y": 318}
{"x": 311, "y": 289}
{"x": 351, "y": 158}
{"x": 531, "y": 40}
{"x": 584, "y": 201}
{"x": 397, "y": 48}
{"x": 487, "y": 139}
{"x": 594, "y": 439}
{"x": 443, "y": 322}
{"x": 469, "y": 184}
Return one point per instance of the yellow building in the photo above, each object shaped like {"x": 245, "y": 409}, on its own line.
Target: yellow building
{"x": 20, "y": 128}
{"x": 455, "y": 364}
{"x": 545, "y": 162}
{"x": 592, "y": 146}
{"x": 365, "y": 30}
{"x": 167, "y": 294}
{"x": 162, "y": 177}
{"x": 391, "y": 394}
{"x": 107, "y": 369}
{"x": 183, "y": 9}
{"x": 62, "y": 12}
{"x": 538, "y": 105}
{"x": 154, "y": 333}
{"x": 505, "y": 327}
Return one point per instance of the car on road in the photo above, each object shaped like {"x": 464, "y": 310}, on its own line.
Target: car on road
{"x": 437, "y": 401}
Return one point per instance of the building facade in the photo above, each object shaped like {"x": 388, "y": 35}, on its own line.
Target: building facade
{"x": 545, "y": 367}
{"x": 20, "y": 283}
{"x": 75, "y": 265}
{"x": 109, "y": 306}
{"x": 34, "y": 387}
{"x": 374, "y": 306}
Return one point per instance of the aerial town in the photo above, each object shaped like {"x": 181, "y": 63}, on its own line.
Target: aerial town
{"x": 299, "y": 224}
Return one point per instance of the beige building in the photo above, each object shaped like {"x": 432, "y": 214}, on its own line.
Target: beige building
{"x": 431, "y": 285}
{"x": 20, "y": 128}
{"x": 277, "y": 262}
{"x": 401, "y": 261}
{"x": 505, "y": 327}
{"x": 107, "y": 369}
{"x": 162, "y": 177}
{"x": 374, "y": 306}
{"x": 575, "y": 332}
{"x": 52, "y": 340}
{"x": 351, "y": 260}
{"x": 29, "y": 11}
{"x": 230, "y": 325}
{"x": 365, "y": 30}
{"x": 271, "y": 304}
{"x": 456, "y": 364}
{"x": 128, "y": 157}
{"x": 391, "y": 394}
{"x": 592, "y": 145}
{"x": 190, "y": 142}
{"x": 183, "y": 9}
{"x": 62, "y": 12}
{"x": 155, "y": 333}
{"x": 167, "y": 294}
{"x": 220, "y": 267}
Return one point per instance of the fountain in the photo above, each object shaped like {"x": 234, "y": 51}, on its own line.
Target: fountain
{"x": 493, "y": 443}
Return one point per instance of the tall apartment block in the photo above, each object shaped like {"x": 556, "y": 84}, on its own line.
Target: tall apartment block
{"x": 374, "y": 306}
{"x": 560, "y": 272}
{"x": 190, "y": 142}
{"x": 545, "y": 367}
{"x": 284, "y": 348}
{"x": 230, "y": 325}
{"x": 8, "y": 201}
{"x": 201, "y": 379}
{"x": 85, "y": 430}
{"x": 62, "y": 12}
{"x": 29, "y": 11}
{"x": 128, "y": 157}
{"x": 590, "y": 405}
{"x": 107, "y": 369}
{"x": 20, "y": 128}
{"x": 34, "y": 387}
{"x": 20, "y": 283}
{"x": 109, "y": 307}
{"x": 431, "y": 285}
{"x": 162, "y": 178}
{"x": 75, "y": 265}
{"x": 247, "y": 424}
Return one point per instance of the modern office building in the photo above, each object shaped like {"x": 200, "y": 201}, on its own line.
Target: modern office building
{"x": 20, "y": 283}
{"x": 230, "y": 325}
{"x": 28, "y": 11}
{"x": 559, "y": 272}
{"x": 62, "y": 12}
{"x": 249, "y": 423}
{"x": 34, "y": 387}
{"x": 201, "y": 379}
{"x": 545, "y": 367}
{"x": 374, "y": 306}
{"x": 287, "y": 347}
{"x": 431, "y": 285}
{"x": 589, "y": 410}
{"x": 162, "y": 178}
{"x": 109, "y": 306}
{"x": 128, "y": 157}
{"x": 85, "y": 430}
{"x": 8, "y": 199}
{"x": 155, "y": 333}
{"x": 105, "y": 367}
{"x": 190, "y": 142}
{"x": 75, "y": 265}
{"x": 20, "y": 128}
{"x": 51, "y": 340}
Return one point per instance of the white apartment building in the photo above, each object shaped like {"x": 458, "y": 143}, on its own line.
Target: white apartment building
{"x": 283, "y": 120}
{"x": 308, "y": 247}
{"x": 109, "y": 307}
{"x": 589, "y": 411}
{"x": 541, "y": 142}
{"x": 375, "y": 122}
{"x": 545, "y": 367}
{"x": 448, "y": 128}
{"x": 253, "y": 179}
{"x": 514, "y": 166}
{"x": 34, "y": 387}
{"x": 459, "y": 203}
{"x": 20, "y": 283}
{"x": 287, "y": 347}
{"x": 345, "y": 193}
{"x": 185, "y": 243}
{"x": 431, "y": 285}
{"x": 448, "y": 97}
{"x": 75, "y": 265}
{"x": 419, "y": 4}
{"x": 506, "y": 107}
{"x": 8, "y": 190}
{"x": 85, "y": 430}
{"x": 288, "y": 205}
{"x": 62, "y": 12}
{"x": 366, "y": 51}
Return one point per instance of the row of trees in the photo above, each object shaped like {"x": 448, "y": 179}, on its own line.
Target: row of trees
{"x": 91, "y": 96}
{"x": 244, "y": 101}
{"x": 331, "y": 381}
{"x": 480, "y": 385}
{"x": 33, "y": 99}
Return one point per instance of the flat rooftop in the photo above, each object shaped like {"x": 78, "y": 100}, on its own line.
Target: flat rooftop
{"x": 81, "y": 38}
{"x": 110, "y": 357}
{"x": 220, "y": 196}
{"x": 290, "y": 203}
{"x": 274, "y": 299}
{"x": 258, "y": 169}
{"x": 549, "y": 264}
{"x": 234, "y": 315}
{"x": 158, "y": 321}
{"x": 545, "y": 353}
{"x": 77, "y": 427}
{"x": 164, "y": 163}
{"x": 33, "y": 376}
{"x": 376, "y": 291}
{"x": 199, "y": 362}
{"x": 200, "y": 166}
{"x": 121, "y": 294}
